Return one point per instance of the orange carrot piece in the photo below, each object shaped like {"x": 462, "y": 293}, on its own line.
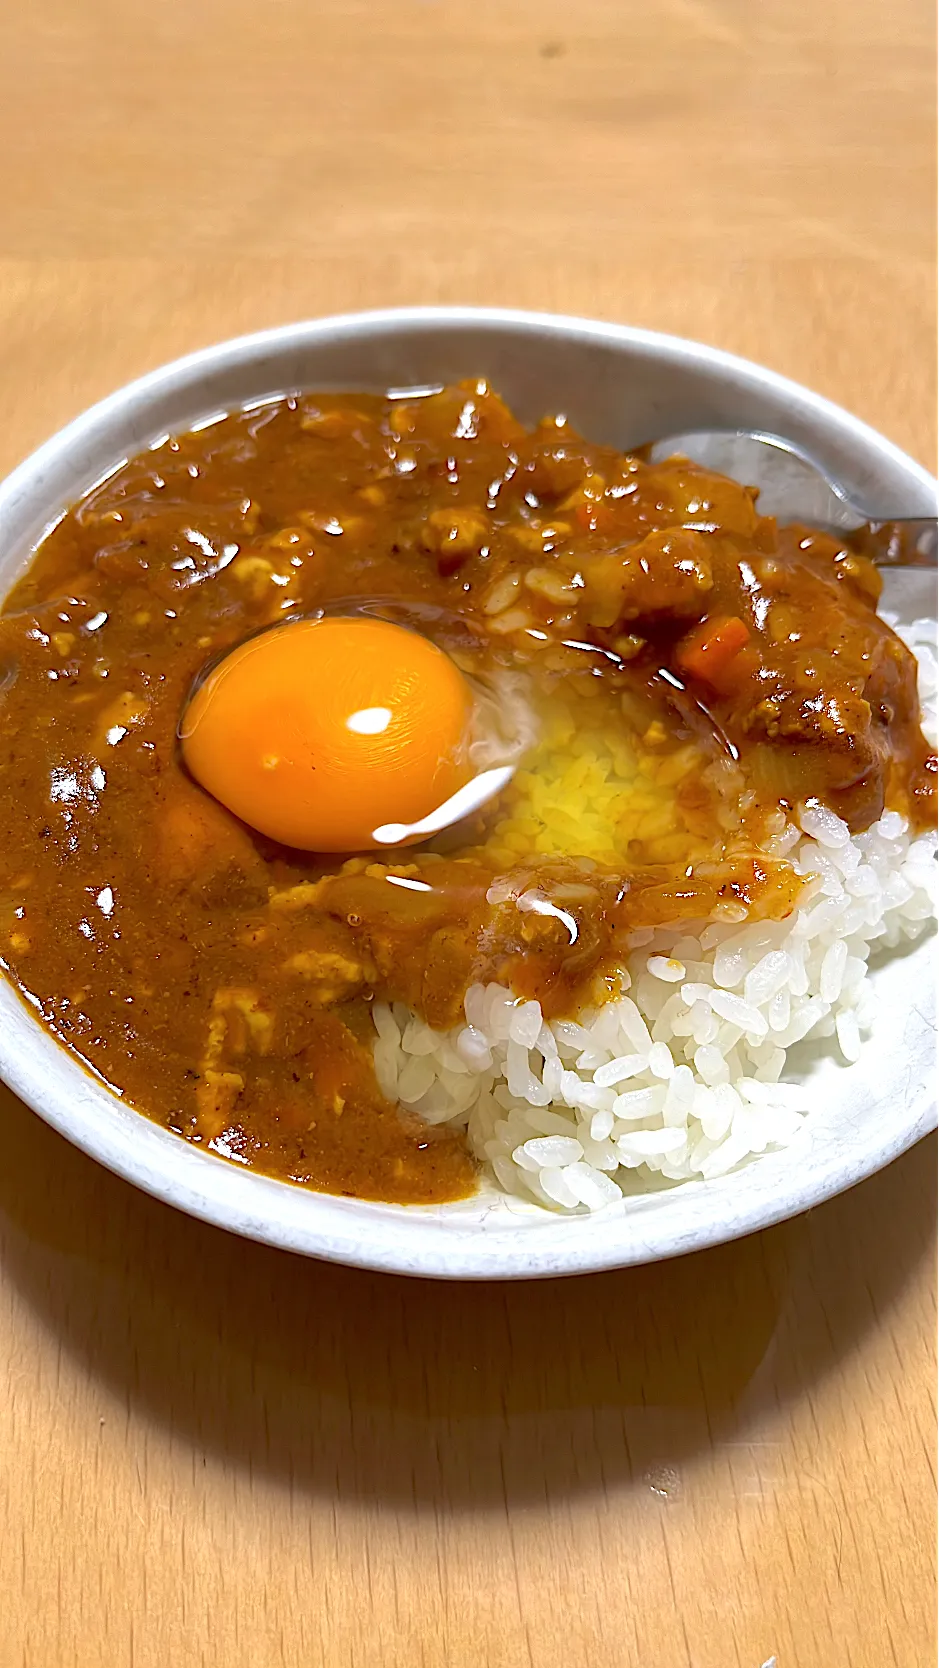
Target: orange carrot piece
{"x": 709, "y": 653}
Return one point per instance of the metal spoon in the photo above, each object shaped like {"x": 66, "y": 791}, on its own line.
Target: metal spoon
{"x": 793, "y": 487}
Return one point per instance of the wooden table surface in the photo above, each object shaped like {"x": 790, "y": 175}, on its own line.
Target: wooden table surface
{"x": 212, "y": 1453}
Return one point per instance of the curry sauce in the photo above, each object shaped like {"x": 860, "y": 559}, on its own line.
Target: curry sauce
{"x": 222, "y": 983}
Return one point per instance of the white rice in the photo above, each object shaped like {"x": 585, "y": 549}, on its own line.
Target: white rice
{"x": 682, "y": 1077}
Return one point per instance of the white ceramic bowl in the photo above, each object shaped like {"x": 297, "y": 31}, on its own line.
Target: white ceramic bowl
{"x": 621, "y": 386}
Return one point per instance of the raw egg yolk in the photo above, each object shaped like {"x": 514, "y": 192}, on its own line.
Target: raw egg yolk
{"x": 317, "y": 733}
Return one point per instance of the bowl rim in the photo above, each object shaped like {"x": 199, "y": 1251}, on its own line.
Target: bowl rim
{"x": 234, "y": 349}
{"x": 387, "y": 1238}
{"x": 52, "y": 1081}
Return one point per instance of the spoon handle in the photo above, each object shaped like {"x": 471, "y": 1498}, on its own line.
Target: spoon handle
{"x": 908, "y": 543}
{"x": 794, "y": 488}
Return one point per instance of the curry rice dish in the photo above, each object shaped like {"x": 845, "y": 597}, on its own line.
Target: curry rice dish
{"x": 397, "y": 798}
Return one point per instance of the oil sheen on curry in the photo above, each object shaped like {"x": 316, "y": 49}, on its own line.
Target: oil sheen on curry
{"x": 242, "y": 676}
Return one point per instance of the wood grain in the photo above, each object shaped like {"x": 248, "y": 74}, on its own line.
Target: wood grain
{"x": 212, "y": 1453}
